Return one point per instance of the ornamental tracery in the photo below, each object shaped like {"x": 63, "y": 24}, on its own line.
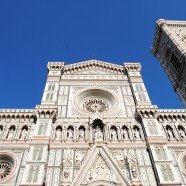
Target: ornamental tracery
{"x": 7, "y": 166}
{"x": 96, "y": 105}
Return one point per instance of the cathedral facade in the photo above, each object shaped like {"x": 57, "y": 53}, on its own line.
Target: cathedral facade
{"x": 95, "y": 126}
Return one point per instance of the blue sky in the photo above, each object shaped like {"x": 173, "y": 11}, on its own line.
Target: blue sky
{"x": 35, "y": 32}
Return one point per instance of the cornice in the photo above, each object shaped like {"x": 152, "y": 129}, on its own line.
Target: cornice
{"x": 149, "y": 111}
{"x": 18, "y": 114}
{"x": 132, "y": 67}
{"x": 93, "y": 63}
{"x": 55, "y": 66}
{"x": 171, "y": 114}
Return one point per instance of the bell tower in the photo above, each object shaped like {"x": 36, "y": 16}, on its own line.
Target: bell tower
{"x": 169, "y": 47}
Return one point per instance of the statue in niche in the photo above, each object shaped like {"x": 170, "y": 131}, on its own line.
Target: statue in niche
{"x": 98, "y": 134}
{"x": 58, "y": 134}
{"x": 10, "y": 134}
{"x": 81, "y": 134}
{"x": 136, "y": 134}
{"x": 125, "y": 133}
{"x": 70, "y": 133}
{"x": 170, "y": 134}
{"x": 23, "y": 134}
{"x": 182, "y": 133}
{"x": 113, "y": 134}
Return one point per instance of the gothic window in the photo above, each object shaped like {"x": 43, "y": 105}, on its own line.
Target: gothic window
{"x": 160, "y": 152}
{"x": 51, "y": 86}
{"x": 142, "y": 97}
{"x": 47, "y": 96}
{"x": 139, "y": 87}
{"x": 42, "y": 129}
{"x": 51, "y": 96}
{"x": 37, "y": 154}
{"x": 167, "y": 173}
{"x": 33, "y": 174}
{"x": 7, "y": 166}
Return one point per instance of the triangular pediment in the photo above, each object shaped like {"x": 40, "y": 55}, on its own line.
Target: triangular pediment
{"x": 100, "y": 168}
{"x": 94, "y": 67}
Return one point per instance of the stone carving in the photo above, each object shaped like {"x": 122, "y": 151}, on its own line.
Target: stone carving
{"x": 100, "y": 171}
{"x": 68, "y": 165}
{"x": 79, "y": 155}
{"x": 119, "y": 156}
{"x": 70, "y": 133}
{"x": 132, "y": 162}
{"x": 98, "y": 134}
{"x": 24, "y": 133}
{"x": 114, "y": 135}
{"x": 137, "y": 134}
{"x": 125, "y": 133}
{"x": 58, "y": 134}
{"x": 81, "y": 134}
{"x": 10, "y": 134}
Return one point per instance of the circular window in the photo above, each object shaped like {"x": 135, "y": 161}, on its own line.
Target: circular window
{"x": 95, "y": 100}
{"x": 7, "y": 166}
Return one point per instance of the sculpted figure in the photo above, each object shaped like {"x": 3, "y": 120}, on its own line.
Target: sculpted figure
{"x": 58, "y": 134}
{"x": 81, "y": 134}
{"x": 114, "y": 134}
{"x": 136, "y": 134}
{"x": 125, "y": 134}
{"x": 23, "y": 134}
{"x": 98, "y": 134}
{"x": 70, "y": 133}
{"x": 10, "y": 134}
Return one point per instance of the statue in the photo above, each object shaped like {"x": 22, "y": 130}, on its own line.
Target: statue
{"x": 125, "y": 134}
{"x": 98, "y": 134}
{"x": 58, "y": 134}
{"x": 81, "y": 134}
{"x": 10, "y": 134}
{"x": 23, "y": 134}
{"x": 114, "y": 134}
{"x": 70, "y": 133}
{"x": 136, "y": 134}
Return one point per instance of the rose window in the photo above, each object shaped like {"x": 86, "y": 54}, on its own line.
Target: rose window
{"x": 7, "y": 166}
{"x": 95, "y": 100}
{"x": 96, "y": 105}
{"x": 5, "y": 169}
